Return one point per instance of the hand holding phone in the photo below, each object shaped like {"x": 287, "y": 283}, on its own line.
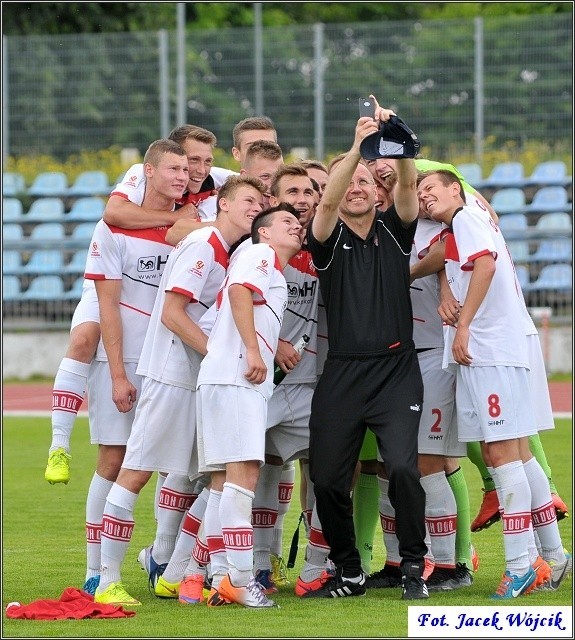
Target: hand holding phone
{"x": 366, "y": 108}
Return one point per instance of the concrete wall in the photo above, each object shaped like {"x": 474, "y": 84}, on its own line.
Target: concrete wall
{"x": 29, "y": 354}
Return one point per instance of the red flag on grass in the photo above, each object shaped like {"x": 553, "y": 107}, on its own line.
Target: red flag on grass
{"x": 73, "y": 604}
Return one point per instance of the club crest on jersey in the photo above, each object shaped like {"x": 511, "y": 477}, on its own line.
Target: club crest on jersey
{"x": 131, "y": 181}
{"x": 198, "y": 268}
{"x": 263, "y": 267}
{"x": 95, "y": 252}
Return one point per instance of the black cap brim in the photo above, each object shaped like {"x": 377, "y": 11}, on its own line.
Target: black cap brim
{"x": 393, "y": 140}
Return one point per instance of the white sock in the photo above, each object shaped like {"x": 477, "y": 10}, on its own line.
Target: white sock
{"x": 117, "y": 529}
{"x": 264, "y": 514}
{"x": 67, "y": 396}
{"x": 215, "y": 538}
{"x": 387, "y": 517}
{"x": 95, "y": 503}
{"x": 174, "y": 501}
{"x": 441, "y": 518}
{"x": 285, "y": 491}
{"x": 236, "y": 518}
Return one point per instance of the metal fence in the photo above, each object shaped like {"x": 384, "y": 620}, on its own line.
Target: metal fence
{"x": 457, "y": 83}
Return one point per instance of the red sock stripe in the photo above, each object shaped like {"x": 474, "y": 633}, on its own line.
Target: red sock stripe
{"x": 264, "y": 518}
{"x": 442, "y": 525}
{"x": 387, "y": 523}
{"x": 66, "y": 401}
{"x": 174, "y": 500}
{"x": 201, "y": 553}
{"x": 93, "y": 533}
{"x": 238, "y": 539}
{"x": 516, "y": 522}
{"x": 544, "y": 515}
{"x": 116, "y": 529}
{"x": 285, "y": 491}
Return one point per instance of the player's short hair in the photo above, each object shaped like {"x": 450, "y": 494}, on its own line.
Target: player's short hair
{"x": 444, "y": 176}
{"x": 256, "y": 123}
{"x": 263, "y": 149}
{"x": 265, "y": 218}
{"x": 159, "y": 148}
{"x": 190, "y": 131}
{"x": 314, "y": 164}
{"x": 292, "y": 169}
{"x": 334, "y": 161}
{"x": 230, "y": 187}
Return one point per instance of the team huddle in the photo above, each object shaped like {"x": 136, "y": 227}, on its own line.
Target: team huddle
{"x": 372, "y": 289}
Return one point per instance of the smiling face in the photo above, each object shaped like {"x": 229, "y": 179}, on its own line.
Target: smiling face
{"x": 439, "y": 197}
{"x": 169, "y": 177}
{"x": 384, "y": 173}
{"x": 298, "y": 191}
{"x": 283, "y": 232}
{"x": 359, "y": 198}
{"x": 242, "y": 206}
{"x": 200, "y": 159}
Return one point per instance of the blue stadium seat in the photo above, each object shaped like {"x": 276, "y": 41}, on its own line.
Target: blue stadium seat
{"x": 49, "y": 183}
{"x": 45, "y": 210}
{"x": 556, "y": 220}
{"x": 522, "y": 272}
{"x": 13, "y": 184}
{"x": 513, "y": 222}
{"x": 560, "y": 250}
{"x": 549, "y": 199}
{"x": 506, "y": 174}
{"x": 75, "y": 293}
{"x": 12, "y": 262}
{"x": 519, "y": 250}
{"x": 11, "y": 288}
{"x": 12, "y": 232}
{"x": 550, "y": 173}
{"x": 45, "y": 288}
{"x": 84, "y": 231}
{"x": 11, "y": 210}
{"x": 78, "y": 262}
{"x": 45, "y": 261}
{"x": 90, "y": 183}
{"x": 472, "y": 173}
{"x": 48, "y": 231}
{"x": 85, "y": 209}
{"x": 508, "y": 200}
{"x": 556, "y": 277}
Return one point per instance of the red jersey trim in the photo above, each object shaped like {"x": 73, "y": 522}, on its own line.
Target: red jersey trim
{"x": 96, "y": 276}
{"x": 183, "y": 292}
{"x": 468, "y": 266}
{"x": 265, "y": 342}
{"x": 129, "y": 306}
{"x": 303, "y": 263}
{"x": 155, "y": 234}
{"x": 221, "y": 256}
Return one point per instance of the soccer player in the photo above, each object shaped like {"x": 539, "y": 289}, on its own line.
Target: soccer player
{"x": 493, "y": 399}
{"x": 124, "y": 209}
{"x": 163, "y": 434}
{"x": 234, "y": 385}
{"x": 127, "y": 267}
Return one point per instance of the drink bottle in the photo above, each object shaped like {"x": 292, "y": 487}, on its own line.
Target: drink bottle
{"x": 299, "y": 346}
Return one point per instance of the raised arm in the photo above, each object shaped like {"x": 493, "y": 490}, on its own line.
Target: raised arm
{"x": 338, "y": 181}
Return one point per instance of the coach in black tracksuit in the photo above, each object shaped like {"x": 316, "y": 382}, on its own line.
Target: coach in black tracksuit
{"x": 371, "y": 378}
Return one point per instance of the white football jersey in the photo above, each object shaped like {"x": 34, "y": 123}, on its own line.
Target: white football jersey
{"x": 137, "y": 257}
{"x": 196, "y": 268}
{"x": 257, "y": 268}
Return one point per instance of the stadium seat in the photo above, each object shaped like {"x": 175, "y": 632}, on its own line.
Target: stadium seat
{"x": 508, "y": 200}
{"x": 13, "y": 184}
{"x": 45, "y": 210}
{"x": 11, "y": 288}
{"x": 78, "y": 262}
{"x": 472, "y": 173}
{"x": 11, "y": 210}
{"x": 513, "y": 222}
{"x": 12, "y": 232}
{"x": 557, "y": 220}
{"x": 84, "y": 209}
{"x": 12, "y": 262}
{"x": 90, "y": 183}
{"x": 506, "y": 174}
{"x": 519, "y": 250}
{"x": 49, "y": 183}
{"x": 549, "y": 199}
{"x": 557, "y": 277}
{"x": 522, "y": 272}
{"x": 45, "y": 261}
{"x": 75, "y": 293}
{"x": 45, "y": 288}
{"x": 48, "y": 231}
{"x": 550, "y": 173}
{"x": 560, "y": 250}
{"x": 83, "y": 231}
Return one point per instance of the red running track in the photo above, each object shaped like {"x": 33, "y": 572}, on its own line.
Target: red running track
{"x": 38, "y": 397}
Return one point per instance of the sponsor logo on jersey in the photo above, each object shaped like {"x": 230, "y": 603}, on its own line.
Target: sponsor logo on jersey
{"x": 298, "y": 291}
{"x": 95, "y": 252}
{"x": 151, "y": 263}
{"x": 198, "y": 268}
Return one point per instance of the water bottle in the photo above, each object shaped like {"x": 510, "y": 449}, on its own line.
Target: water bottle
{"x": 299, "y": 346}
